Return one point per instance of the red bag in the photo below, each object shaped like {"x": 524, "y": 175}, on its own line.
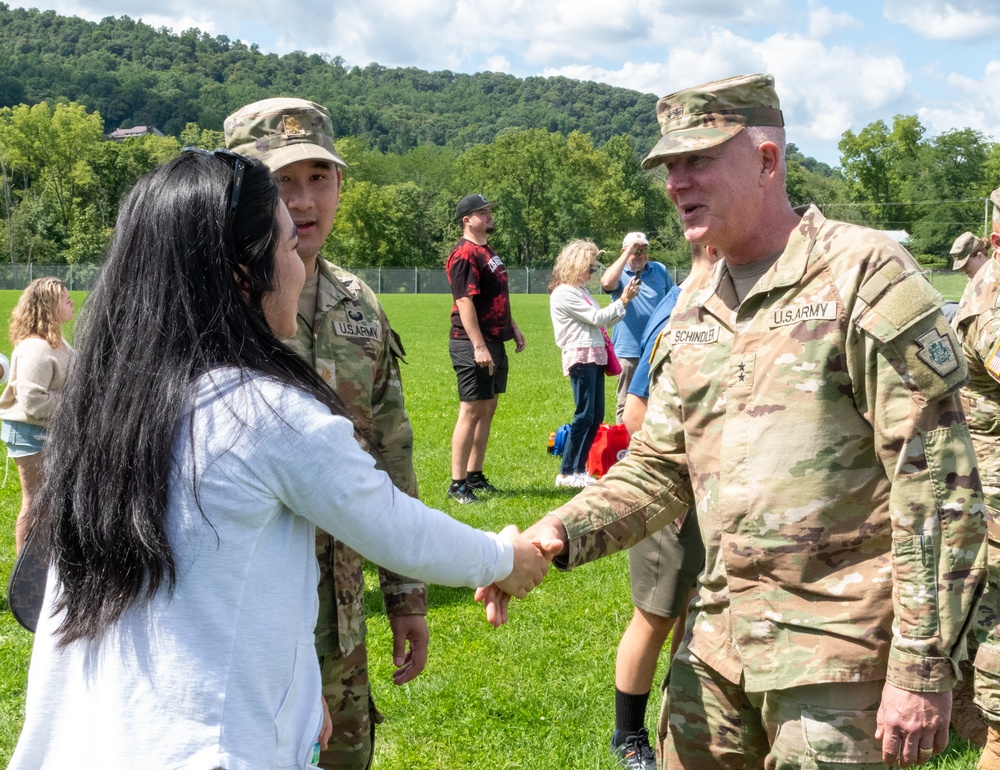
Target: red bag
{"x": 610, "y": 446}
{"x": 613, "y": 367}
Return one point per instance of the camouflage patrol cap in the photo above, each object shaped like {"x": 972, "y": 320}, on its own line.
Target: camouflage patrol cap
{"x": 965, "y": 246}
{"x": 282, "y": 131}
{"x": 713, "y": 113}
{"x": 995, "y": 197}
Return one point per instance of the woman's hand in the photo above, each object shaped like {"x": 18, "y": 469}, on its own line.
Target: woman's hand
{"x": 631, "y": 290}
{"x": 531, "y": 562}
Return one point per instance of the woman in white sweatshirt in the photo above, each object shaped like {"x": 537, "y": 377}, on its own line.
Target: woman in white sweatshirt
{"x": 181, "y": 496}
{"x": 38, "y": 369}
{"x": 578, "y": 322}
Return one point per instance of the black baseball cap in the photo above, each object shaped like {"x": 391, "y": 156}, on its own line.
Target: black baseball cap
{"x": 471, "y": 203}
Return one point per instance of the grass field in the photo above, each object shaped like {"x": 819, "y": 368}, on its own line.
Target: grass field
{"x": 537, "y": 693}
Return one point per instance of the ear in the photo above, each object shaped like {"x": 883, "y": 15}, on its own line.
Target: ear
{"x": 995, "y": 239}
{"x": 770, "y": 159}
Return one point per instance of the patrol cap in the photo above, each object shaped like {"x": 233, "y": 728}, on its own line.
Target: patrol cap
{"x": 995, "y": 197}
{"x": 965, "y": 246}
{"x": 710, "y": 114}
{"x": 636, "y": 237}
{"x": 471, "y": 203}
{"x": 282, "y": 131}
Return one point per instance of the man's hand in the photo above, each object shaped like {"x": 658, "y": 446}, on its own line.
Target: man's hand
{"x": 483, "y": 356}
{"x": 409, "y": 661}
{"x": 519, "y": 341}
{"x": 913, "y": 726}
{"x": 548, "y": 537}
{"x": 326, "y": 731}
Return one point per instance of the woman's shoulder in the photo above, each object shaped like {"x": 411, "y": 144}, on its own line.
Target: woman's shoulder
{"x": 32, "y": 345}
{"x": 251, "y": 397}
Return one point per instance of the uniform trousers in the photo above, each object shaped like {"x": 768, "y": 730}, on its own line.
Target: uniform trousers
{"x": 348, "y": 695}
{"x": 709, "y": 722}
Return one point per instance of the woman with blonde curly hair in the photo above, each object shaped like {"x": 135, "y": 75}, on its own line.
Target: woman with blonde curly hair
{"x": 577, "y": 321}
{"x": 38, "y": 368}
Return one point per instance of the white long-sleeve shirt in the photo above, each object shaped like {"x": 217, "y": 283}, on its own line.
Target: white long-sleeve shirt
{"x": 223, "y": 672}
{"x": 577, "y": 318}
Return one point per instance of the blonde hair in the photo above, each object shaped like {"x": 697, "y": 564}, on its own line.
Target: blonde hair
{"x": 36, "y": 313}
{"x": 573, "y": 264}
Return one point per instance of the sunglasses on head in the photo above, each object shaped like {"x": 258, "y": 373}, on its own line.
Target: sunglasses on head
{"x": 239, "y": 166}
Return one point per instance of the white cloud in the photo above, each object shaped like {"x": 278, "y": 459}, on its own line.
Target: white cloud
{"x": 823, "y": 22}
{"x": 946, "y": 19}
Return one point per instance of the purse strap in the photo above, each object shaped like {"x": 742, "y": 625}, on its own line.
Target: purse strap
{"x": 26, "y": 587}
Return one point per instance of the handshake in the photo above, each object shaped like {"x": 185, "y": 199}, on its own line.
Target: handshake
{"x": 534, "y": 549}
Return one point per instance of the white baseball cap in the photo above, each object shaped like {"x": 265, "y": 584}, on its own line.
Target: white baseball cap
{"x": 634, "y": 238}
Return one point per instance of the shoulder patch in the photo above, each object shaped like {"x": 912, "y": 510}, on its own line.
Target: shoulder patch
{"x": 937, "y": 351}
{"x": 993, "y": 361}
{"x": 901, "y": 311}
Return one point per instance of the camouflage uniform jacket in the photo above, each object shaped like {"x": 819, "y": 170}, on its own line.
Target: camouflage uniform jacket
{"x": 977, "y": 323}
{"x": 818, "y": 429}
{"x": 352, "y": 347}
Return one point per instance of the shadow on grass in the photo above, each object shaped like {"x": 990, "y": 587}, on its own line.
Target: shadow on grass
{"x": 438, "y": 596}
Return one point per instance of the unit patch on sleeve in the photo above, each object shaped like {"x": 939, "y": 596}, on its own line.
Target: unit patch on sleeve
{"x": 937, "y": 352}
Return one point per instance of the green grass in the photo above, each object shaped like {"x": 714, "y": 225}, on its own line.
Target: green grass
{"x": 537, "y": 693}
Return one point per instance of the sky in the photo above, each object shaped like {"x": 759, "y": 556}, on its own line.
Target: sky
{"x": 837, "y": 65}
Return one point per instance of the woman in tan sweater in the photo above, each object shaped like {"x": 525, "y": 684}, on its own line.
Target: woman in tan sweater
{"x": 38, "y": 369}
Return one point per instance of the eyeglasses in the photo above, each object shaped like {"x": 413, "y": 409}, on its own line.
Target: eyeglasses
{"x": 593, "y": 269}
{"x": 239, "y": 167}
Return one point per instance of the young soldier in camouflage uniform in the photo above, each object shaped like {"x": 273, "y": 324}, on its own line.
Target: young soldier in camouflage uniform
{"x": 807, "y": 404}
{"x": 978, "y": 325}
{"x": 344, "y": 332}
{"x": 970, "y": 254}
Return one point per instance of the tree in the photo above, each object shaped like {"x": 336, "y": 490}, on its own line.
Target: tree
{"x": 53, "y": 147}
{"x": 879, "y": 164}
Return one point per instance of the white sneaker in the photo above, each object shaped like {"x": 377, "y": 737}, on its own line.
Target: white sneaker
{"x": 585, "y": 479}
{"x": 567, "y": 480}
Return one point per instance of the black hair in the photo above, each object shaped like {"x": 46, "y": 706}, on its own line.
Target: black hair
{"x": 180, "y": 294}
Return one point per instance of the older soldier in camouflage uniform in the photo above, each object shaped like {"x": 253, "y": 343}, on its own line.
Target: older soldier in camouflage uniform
{"x": 978, "y": 325}
{"x": 344, "y": 333}
{"x": 807, "y": 404}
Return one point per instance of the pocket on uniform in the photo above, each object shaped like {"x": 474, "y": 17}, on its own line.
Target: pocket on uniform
{"x": 837, "y": 737}
{"x": 914, "y": 566}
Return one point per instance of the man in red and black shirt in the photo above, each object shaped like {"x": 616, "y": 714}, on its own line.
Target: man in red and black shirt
{"x": 480, "y": 324}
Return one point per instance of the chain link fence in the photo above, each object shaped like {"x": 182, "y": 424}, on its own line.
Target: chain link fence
{"x": 389, "y": 280}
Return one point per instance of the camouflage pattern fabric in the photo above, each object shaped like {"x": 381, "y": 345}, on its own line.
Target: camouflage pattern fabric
{"x": 710, "y": 114}
{"x": 817, "y": 428}
{"x": 348, "y": 694}
{"x": 715, "y": 723}
{"x": 977, "y": 324}
{"x": 352, "y": 347}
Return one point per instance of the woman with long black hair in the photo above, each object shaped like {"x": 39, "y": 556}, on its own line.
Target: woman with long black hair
{"x": 180, "y": 496}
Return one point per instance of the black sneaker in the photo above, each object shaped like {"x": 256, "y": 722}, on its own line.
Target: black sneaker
{"x": 634, "y": 752}
{"x": 462, "y": 493}
{"x": 479, "y": 483}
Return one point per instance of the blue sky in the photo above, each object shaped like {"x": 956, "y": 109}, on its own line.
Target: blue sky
{"x": 837, "y": 66}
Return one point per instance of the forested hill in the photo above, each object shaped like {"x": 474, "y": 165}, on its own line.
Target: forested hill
{"x": 134, "y": 74}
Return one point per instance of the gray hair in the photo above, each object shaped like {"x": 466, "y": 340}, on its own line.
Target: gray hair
{"x": 757, "y": 135}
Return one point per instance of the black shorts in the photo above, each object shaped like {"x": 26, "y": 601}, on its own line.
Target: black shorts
{"x": 665, "y": 566}
{"x": 475, "y": 382}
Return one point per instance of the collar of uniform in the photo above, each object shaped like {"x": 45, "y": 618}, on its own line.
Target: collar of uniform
{"x": 791, "y": 265}
{"x": 334, "y": 289}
